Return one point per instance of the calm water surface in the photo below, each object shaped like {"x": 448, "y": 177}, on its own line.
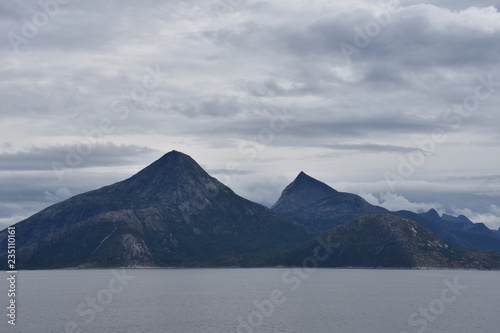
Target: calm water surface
{"x": 254, "y": 300}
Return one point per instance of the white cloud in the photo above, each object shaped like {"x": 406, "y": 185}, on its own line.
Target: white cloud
{"x": 226, "y": 64}
{"x": 491, "y": 218}
{"x": 370, "y": 198}
{"x": 495, "y": 210}
{"x": 395, "y": 202}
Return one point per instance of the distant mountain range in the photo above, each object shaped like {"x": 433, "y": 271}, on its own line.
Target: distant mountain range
{"x": 173, "y": 214}
{"x": 318, "y": 207}
{"x": 463, "y": 233}
{"x": 385, "y": 241}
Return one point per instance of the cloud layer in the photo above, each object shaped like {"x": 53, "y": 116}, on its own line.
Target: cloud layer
{"x": 352, "y": 92}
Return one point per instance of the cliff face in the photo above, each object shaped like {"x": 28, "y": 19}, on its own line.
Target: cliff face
{"x": 172, "y": 213}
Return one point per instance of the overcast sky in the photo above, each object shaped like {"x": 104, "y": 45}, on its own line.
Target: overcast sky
{"x": 394, "y": 100}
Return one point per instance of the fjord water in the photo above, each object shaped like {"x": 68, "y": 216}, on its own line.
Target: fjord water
{"x": 254, "y": 300}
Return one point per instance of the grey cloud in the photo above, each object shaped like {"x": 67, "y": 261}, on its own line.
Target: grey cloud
{"x": 90, "y": 155}
{"x": 415, "y": 42}
{"x": 25, "y": 187}
{"x": 230, "y": 65}
{"x": 367, "y": 147}
{"x": 12, "y": 10}
{"x": 455, "y": 4}
{"x": 217, "y": 106}
{"x": 301, "y": 130}
{"x": 483, "y": 178}
{"x": 363, "y": 126}
{"x": 224, "y": 172}
{"x": 453, "y": 199}
{"x": 410, "y": 39}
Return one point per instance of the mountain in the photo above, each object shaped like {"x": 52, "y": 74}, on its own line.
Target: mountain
{"x": 172, "y": 213}
{"x": 460, "y": 219}
{"x": 464, "y": 232}
{"x": 456, "y": 223}
{"x": 453, "y": 233}
{"x": 384, "y": 241}
{"x": 318, "y": 207}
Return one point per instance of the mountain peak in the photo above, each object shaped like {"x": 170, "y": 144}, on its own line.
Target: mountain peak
{"x": 318, "y": 189}
{"x": 171, "y": 166}
{"x": 176, "y": 156}
{"x": 432, "y": 215}
{"x": 433, "y": 212}
{"x": 175, "y": 178}
{"x": 318, "y": 207}
{"x": 302, "y": 174}
{"x": 304, "y": 190}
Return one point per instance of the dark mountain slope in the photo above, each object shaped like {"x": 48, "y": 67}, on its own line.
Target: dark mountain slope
{"x": 318, "y": 207}
{"x": 385, "y": 241}
{"x": 473, "y": 236}
{"x": 172, "y": 213}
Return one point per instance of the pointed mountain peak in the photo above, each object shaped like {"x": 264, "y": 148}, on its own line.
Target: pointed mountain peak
{"x": 318, "y": 206}
{"x": 174, "y": 163}
{"x": 302, "y": 174}
{"x": 174, "y": 178}
{"x": 176, "y": 156}
{"x": 432, "y": 215}
{"x": 432, "y": 212}
{"x": 318, "y": 188}
{"x": 304, "y": 179}
{"x": 303, "y": 190}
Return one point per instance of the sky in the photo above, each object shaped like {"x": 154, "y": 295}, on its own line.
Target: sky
{"x": 396, "y": 101}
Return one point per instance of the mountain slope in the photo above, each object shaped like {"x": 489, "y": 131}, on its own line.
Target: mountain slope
{"x": 475, "y": 236}
{"x": 318, "y": 207}
{"x": 385, "y": 241}
{"x": 171, "y": 213}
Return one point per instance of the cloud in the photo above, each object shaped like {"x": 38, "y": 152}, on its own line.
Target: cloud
{"x": 227, "y": 67}
{"x": 370, "y": 147}
{"x": 491, "y": 218}
{"x": 83, "y": 155}
{"x": 395, "y": 202}
{"x": 265, "y": 190}
{"x": 483, "y": 178}
{"x": 495, "y": 210}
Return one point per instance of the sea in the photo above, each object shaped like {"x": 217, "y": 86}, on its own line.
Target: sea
{"x": 270, "y": 300}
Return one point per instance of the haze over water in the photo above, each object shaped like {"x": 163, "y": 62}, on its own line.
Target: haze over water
{"x": 255, "y": 300}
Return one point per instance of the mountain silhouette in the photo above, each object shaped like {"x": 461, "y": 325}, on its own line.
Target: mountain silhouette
{"x": 172, "y": 213}
{"x": 318, "y": 207}
{"x": 385, "y": 241}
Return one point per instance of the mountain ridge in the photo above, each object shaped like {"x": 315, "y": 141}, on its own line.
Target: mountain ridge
{"x": 385, "y": 241}
{"x": 173, "y": 213}
{"x": 170, "y": 213}
{"x": 318, "y": 207}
